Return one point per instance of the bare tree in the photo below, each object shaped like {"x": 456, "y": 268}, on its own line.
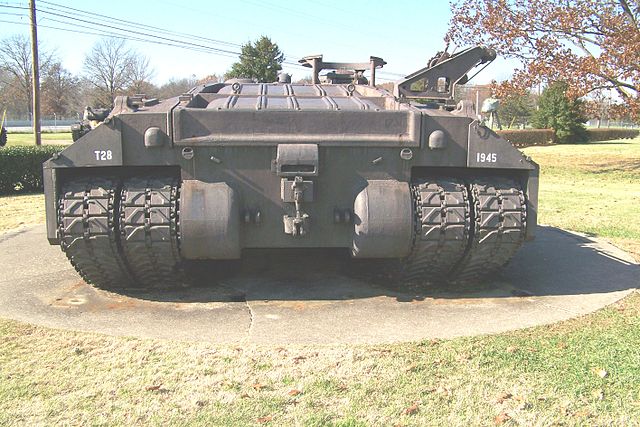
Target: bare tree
{"x": 175, "y": 87}
{"x": 60, "y": 89}
{"x": 112, "y": 68}
{"x": 140, "y": 73}
{"x": 15, "y": 60}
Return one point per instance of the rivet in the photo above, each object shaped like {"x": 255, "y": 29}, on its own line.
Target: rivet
{"x": 187, "y": 153}
{"x": 406, "y": 154}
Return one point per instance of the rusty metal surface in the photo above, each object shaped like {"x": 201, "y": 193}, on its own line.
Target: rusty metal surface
{"x": 322, "y": 299}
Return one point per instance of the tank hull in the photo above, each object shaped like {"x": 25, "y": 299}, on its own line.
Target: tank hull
{"x": 231, "y": 167}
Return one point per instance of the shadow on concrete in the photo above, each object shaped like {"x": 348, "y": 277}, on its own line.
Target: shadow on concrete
{"x": 556, "y": 263}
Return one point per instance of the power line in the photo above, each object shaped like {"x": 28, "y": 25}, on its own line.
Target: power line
{"x": 53, "y": 9}
{"x": 174, "y": 42}
{"x": 148, "y": 37}
{"x": 133, "y": 38}
{"x": 136, "y": 32}
{"x": 13, "y": 7}
{"x": 127, "y": 36}
{"x": 22, "y": 15}
{"x": 114, "y": 35}
{"x": 56, "y": 7}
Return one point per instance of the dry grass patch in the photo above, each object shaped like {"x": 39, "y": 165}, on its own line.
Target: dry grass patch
{"x": 16, "y": 211}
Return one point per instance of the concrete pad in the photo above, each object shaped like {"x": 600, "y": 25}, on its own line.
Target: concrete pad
{"x": 319, "y": 297}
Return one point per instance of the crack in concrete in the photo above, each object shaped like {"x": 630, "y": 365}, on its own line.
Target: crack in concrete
{"x": 573, "y": 313}
{"x": 251, "y": 318}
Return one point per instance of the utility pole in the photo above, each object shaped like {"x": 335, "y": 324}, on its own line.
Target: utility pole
{"x": 35, "y": 73}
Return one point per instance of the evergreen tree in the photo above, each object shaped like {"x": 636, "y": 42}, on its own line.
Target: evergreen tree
{"x": 556, "y": 111}
{"x": 259, "y": 60}
{"x": 516, "y": 109}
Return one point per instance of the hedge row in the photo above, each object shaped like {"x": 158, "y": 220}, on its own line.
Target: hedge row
{"x": 606, "y": 134}
{"x": 529, "y": 137}
{"x": 21, "y": 167}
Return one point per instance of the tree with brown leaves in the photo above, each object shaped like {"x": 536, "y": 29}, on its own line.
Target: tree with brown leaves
{"x": 589, "y": 44}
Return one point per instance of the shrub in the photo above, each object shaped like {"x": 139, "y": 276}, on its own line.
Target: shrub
{"x": 21, "y": 167}
{"x": 527, "y": 137}
{"x": 562, "y": 114}
{"x": 607, "y": 134}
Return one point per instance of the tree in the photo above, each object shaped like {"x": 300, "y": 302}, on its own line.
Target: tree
{"x": 211, "y": 78}
{"x": 589, "y": 44}
{"x": 60, "y": 89}
{"x": 140, "y": 74}
{"x": 516, "y": 109}
{"x": 259, "y": 60}
{"x": 562, "y": 114}
{"x": 15, "y": 60}
{"x": 598, "y": 106}
{"x": 8, "y": 94}
{"x": 176, "y": 87}
{"x": 112, "y": 68}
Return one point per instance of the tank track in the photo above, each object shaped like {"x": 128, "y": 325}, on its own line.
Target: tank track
{"x": 442, "y": 227}
{"x": 125, "y": 233}
{"x": 464, "y": 231}
{"x": 149, "y": 230}
{"x": 87, "y": 223}
{"x": 499, "y": 224}
{"x": 122, "y": 234}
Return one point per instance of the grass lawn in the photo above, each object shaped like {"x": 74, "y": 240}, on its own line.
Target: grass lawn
{"x": 592, "y": 188}
{"x": 47, "y": 138}
{"x": 580, "y": 372}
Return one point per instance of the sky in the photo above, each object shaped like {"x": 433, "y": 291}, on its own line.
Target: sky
{"x": 405, "y": 33}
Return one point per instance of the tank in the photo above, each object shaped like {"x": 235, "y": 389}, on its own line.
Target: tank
{"x": 408, "y": 176}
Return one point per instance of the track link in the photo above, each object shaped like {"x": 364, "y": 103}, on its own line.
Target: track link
{"x": 87, "y": 224}
{"x": 442, "y": 227}
{"x": 499, "y": 223}
{"x": 149, "y": 230}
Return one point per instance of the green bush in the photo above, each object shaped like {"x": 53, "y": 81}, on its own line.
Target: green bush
{"x": 21, "y": 167}
{"x": 562, "y": 114}
{"x": 528, "y": 137}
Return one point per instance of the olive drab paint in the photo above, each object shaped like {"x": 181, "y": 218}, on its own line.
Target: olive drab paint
{"x": 338, "y": 163}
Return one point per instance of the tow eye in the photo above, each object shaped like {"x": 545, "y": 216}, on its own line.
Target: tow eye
{"x": 297, "y": 192}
